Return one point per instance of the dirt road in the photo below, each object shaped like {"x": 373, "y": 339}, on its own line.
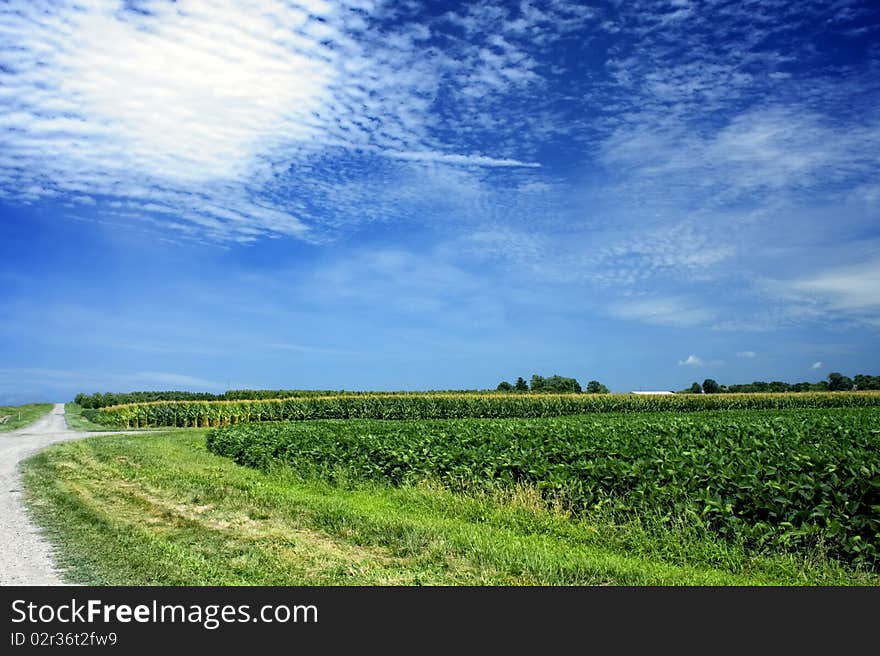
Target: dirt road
{"x": 25, "y": 557}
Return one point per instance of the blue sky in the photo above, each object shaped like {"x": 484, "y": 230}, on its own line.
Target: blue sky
{"x": 405, "y": 195}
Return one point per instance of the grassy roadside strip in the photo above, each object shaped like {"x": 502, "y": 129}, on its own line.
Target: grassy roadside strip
{"x": 160, "y": 509}
{"x": 73, "y": 414}
{"x": 22, "y": 415}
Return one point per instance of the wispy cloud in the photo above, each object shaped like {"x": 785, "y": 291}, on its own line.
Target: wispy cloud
{"x": 192, "y": 113}
{"x": 778, "y": 149}
{"x": 817, "y": 365}
{"x": 675, "y": 248}
{"x": 855, "y": 287}
{"x": 845, "y": 293}
{"x": 748, "y": 355}
{"x": 715, "y": 157}
{"x": 669, "y": 311}
{"x": 468, "y": 160}
{"x": 302, "y": 348}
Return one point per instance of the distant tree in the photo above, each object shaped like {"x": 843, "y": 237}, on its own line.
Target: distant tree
{"x": 710, "y": 386}
{"x": 562, "y": 385}
{"x": 555, "y": 384}
{"x": 864, "y": 382}
{"x": 521, "y": 385}
{"x": 504, "y": 386}
{"x": 837, "y": 382}
{"x": 595, "y": 387}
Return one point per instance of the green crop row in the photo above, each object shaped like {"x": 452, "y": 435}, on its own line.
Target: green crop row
{"x": 792, "y": 480}
{"x": 455, "y": 406}
{"x": 99, "y": 400}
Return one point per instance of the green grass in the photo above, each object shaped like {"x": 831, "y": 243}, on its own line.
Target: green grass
{"x": 159, "y": 509}
{"x": 73, "y": 413}
{"x": 22, "y": 415}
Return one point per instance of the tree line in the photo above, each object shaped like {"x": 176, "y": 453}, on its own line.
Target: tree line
{"x": 552, "y": 384}
{"x": 836, "y": 382}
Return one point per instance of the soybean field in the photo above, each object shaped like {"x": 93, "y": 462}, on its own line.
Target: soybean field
{"x": 797, "y": 480}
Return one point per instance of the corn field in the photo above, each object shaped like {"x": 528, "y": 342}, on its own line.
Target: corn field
{"x": 453, "y": 406}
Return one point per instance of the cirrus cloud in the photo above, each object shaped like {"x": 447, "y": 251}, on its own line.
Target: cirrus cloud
{"x": 189, "y": 114}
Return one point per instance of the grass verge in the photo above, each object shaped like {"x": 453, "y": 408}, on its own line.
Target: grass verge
{"x": 73, "y": 414}
{"x": 159, "y": 509}
{"x": 22, "y": 415}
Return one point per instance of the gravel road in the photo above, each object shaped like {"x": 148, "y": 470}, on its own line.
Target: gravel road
{"x": 25, "y": 557}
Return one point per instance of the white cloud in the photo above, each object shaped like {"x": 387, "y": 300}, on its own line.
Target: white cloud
{"x": 816, "y": 365}
{"x": 174, "y": 102}
{"x": 184, "y": 104}
{"x": 668, "y": 311}
{"x": 696, "y": 361}
{"x": 746, "y": 354}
